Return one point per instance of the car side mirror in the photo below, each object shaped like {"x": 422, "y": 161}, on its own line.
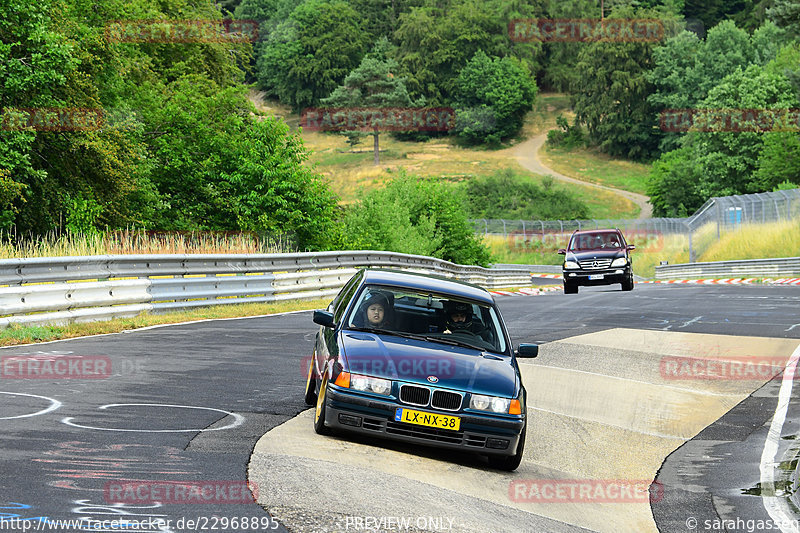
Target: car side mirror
{"x": 562, "y": 251}
{"x": 528, "y": 350}
{"x": 630, "y": 247}
{"x": 324, "y": 318}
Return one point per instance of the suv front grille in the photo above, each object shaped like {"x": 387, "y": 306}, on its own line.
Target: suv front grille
{"x": 415, "y": 395}
{"x": 446, "y": 400}
{"x": 595, "y": 264}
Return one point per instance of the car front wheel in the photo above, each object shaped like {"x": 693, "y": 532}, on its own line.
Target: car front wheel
{"x": 319, "y": 413}
{"x": 311, "y": 385}
{"x": 570, "y": 288}
{"x": 510, "y": 463}
{"x": 627, "y": 285}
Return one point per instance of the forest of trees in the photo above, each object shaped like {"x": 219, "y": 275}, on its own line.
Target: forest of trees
{"x": 182, "y": 148}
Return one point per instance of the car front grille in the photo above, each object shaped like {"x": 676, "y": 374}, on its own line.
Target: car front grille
{"x": 446, "y": 400}
{"x": 415, "y": 395}
{"x": 595, "y": 264}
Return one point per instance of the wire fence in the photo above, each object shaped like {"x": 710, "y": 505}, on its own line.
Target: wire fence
{"x": 717, "y": 216}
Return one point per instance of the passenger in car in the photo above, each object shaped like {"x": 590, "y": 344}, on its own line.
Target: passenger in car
{"x": 375, "y": 312}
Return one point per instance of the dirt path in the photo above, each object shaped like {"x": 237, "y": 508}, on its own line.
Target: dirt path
{"x": 527, "y": 153}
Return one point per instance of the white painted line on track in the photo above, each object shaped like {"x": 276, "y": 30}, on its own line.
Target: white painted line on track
{"x": 692, "y": 321}
{"x": 54, "y": 404}
{"x": 776, "y": 506}
{"x": 238, "y": 420}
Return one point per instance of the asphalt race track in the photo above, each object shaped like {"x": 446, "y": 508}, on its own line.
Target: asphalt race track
{"x": 616, "y": 400}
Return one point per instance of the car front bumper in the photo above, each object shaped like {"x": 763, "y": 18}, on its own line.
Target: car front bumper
{"x": 370, "y": 416}
{"x": 610, "y": 276}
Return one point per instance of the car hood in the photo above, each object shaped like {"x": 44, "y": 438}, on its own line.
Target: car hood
{"x": 412, "y": 360}
{"x": 588, "y": 255}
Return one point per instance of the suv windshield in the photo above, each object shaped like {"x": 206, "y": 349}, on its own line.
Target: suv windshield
{"x": 595, "y": 241}
{"x": 431, "y": 316}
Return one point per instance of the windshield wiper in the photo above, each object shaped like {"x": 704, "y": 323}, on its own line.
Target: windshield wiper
{"x": 454, "y": 342}
{"x": 388, "y": 332}
{"x": 440, "y": 340}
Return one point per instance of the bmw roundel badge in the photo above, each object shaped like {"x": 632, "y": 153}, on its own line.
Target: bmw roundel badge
{"x": 433, "y": 379}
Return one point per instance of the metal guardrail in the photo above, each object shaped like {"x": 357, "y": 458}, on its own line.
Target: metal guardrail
{"x": 785, "y": 267}
{"x": 60, "y": 290}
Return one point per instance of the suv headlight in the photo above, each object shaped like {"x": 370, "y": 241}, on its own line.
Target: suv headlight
{"x": 370, "y": 384}
{"x": 494, "y": 404}
{"x": 570, "y": 264}
{"x": 620, "y": 262}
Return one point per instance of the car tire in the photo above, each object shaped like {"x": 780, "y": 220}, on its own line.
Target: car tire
{"x": 570, "y": 288}
{"x": 319, "y": 413}
{"x": 627, "y": 285}
{"x": 311, "y": 384}
{"x": 509, "y": 463}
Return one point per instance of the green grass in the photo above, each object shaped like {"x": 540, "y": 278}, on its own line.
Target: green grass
{"x": 595, "y": 167}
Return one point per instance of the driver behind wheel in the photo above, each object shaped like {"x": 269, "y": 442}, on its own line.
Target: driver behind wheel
{"x": 459, "y": 318}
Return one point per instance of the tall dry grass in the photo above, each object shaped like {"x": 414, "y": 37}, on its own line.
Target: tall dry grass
{"x": 140, "y": 242}
{"x": 755, "y": 241}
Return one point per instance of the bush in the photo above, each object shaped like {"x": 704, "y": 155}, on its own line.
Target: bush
{"x": 566, "y": 136}
{"x": 511, "y": 196}
{"x": 415, "y": 216}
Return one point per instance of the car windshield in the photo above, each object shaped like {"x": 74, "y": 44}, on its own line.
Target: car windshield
{"x": 427, "y": 315}
{"x": 595, "y": 241}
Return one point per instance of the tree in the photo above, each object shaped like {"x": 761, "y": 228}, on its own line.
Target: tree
{"x": 501, "y": 88}
{"x": 562, "y": 56}
{"x": 786, "y": 14}
{"x": 611, "y": 96}
{"x": 35, "y": 63}
{"x": 720, "y": 158}
{"x": 685, "y": 68}
{"x": 373, "y": 84}
{"x": 308, "y": 55}
{"x": 436, "y": 42}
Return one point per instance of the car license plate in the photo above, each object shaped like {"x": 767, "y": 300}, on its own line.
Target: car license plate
{"x": 596, "y": 276}
{"x": 410, "y": 416}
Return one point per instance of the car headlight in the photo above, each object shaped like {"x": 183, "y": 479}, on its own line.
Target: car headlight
{"x": 494, "y": 404}
{"x": 370, "y": 384}
{"x": 570, "y": 264}
{"x": 622, "y": 261}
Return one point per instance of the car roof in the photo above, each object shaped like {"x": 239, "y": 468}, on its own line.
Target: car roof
{"x": 605, "y": 230}
{"x": 431, "y": 282}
